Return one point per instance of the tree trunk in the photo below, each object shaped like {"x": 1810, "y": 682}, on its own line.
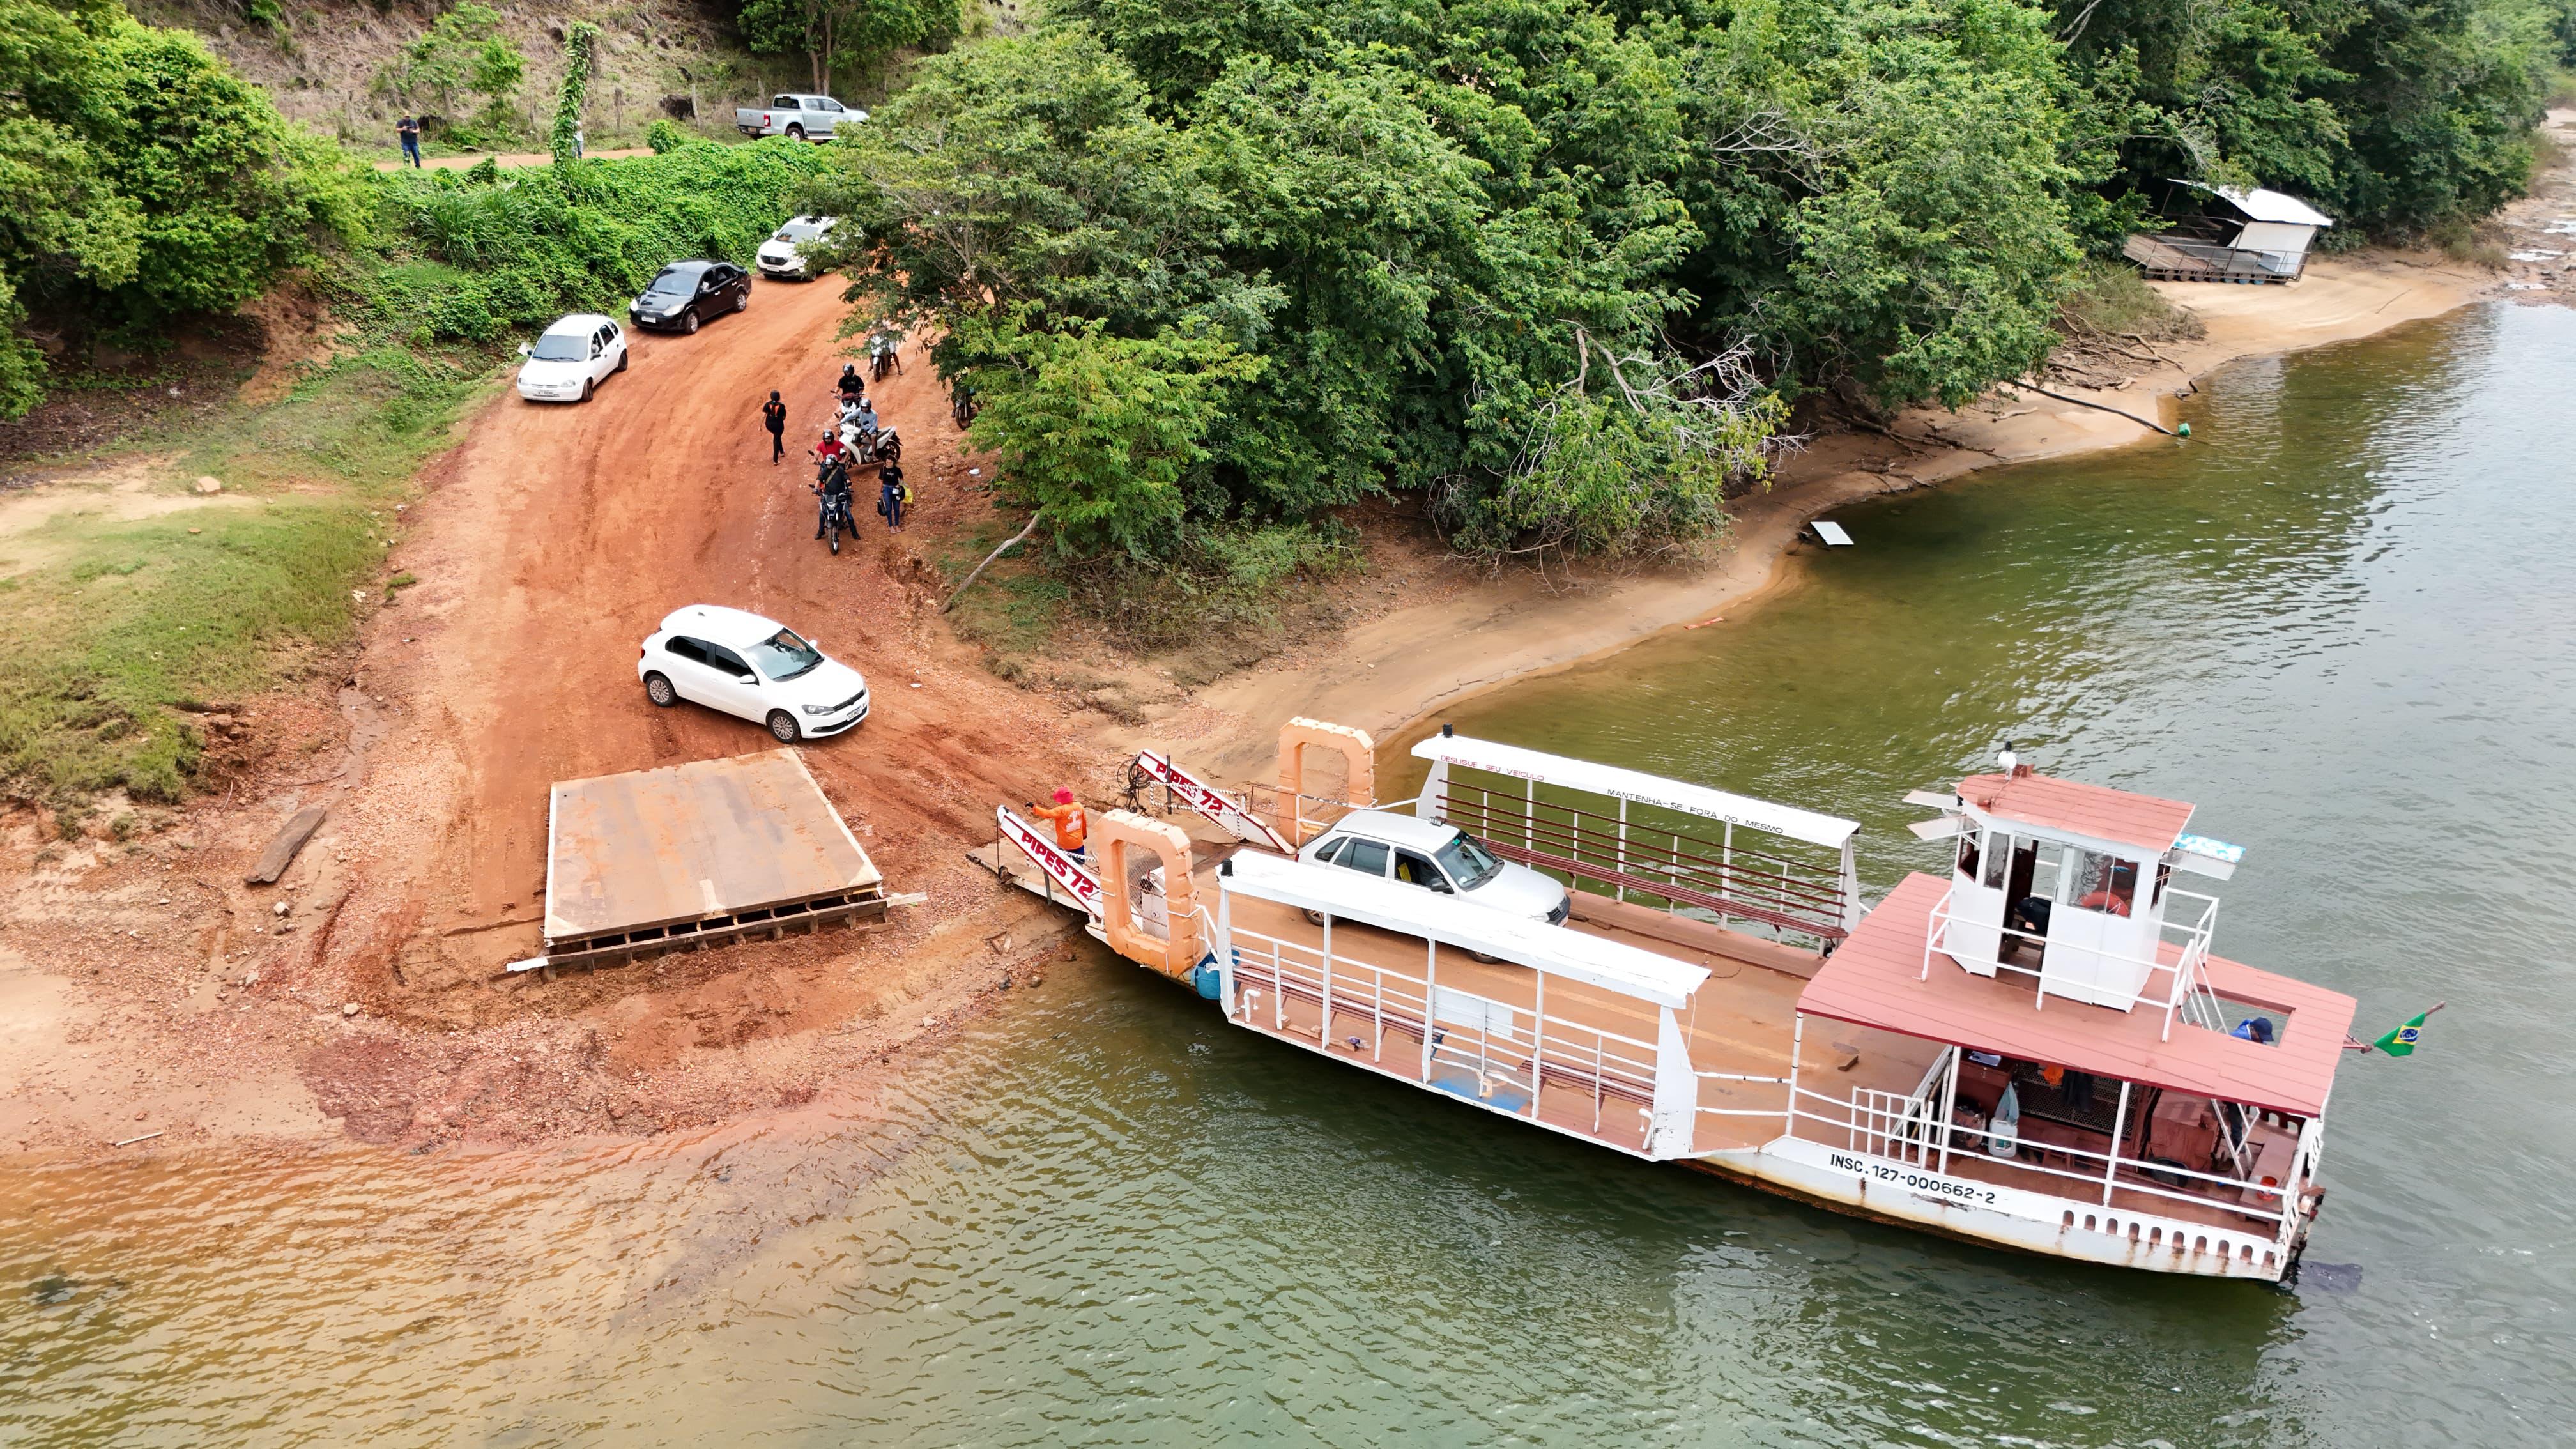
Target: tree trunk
{"x": 1025, "y": 530}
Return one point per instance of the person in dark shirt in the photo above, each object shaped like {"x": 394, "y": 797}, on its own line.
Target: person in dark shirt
{"x": 408, "y": 128}
{"x": 773, "y": 416}
{"x": 891, "y": 495}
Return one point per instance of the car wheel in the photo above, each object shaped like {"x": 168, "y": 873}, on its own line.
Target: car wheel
{"x": 659, "y": 690}
{"x": 796, "y": 132}
{"x": 621, "y": 359}
{"x": 742, "y": 299}
{"x": 782, "y": 726}
{"x": 689, "y": 323}
{"x": 586, "y": 387}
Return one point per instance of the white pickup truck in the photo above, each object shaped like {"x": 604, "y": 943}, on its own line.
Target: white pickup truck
{"x": 807, "y": 118}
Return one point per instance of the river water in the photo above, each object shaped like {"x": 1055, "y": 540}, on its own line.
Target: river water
{"x": 2340, "y": 619}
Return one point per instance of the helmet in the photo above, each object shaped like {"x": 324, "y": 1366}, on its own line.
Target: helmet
{"x": 1064, "y": 797}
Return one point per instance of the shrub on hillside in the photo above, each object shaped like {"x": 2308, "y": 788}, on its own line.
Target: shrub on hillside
{"x": 140, "y": 181}
{"x": 468, "y": 257}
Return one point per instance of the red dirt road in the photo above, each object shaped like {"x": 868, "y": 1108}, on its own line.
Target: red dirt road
{"x": 362, "y": 993}
{"x": 559, "y": 536}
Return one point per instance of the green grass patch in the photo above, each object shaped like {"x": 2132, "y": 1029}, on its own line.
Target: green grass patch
{"x": 2110, "y": 299}
{"x": 1015, "y": 607}
{"x": 98, "y": 653}
{"x": 124, "y": 624}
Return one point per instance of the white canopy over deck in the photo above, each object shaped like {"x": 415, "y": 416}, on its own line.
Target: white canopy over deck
{"x": 1732, "y": 881}
{"x": 1412, "y": 911}
{"x": 1828, "y": 831}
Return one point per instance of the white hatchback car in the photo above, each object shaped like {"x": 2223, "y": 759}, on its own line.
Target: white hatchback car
{"x": 783, "y": 255}
{"x": 1437, "y": 857}
{"x": 571, "y": 358}
{"x": 757, "y": 668}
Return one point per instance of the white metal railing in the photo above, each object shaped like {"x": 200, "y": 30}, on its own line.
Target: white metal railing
{"x": 1556, "y": 1051}
{"x": 1865, "y": 1117}
{"x": 2187, "y": 973}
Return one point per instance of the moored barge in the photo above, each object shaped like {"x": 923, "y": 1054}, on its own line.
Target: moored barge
{"x": 2038, "y": 1051}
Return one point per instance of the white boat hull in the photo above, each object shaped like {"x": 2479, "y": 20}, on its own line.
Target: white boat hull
{"x": 1959, "y": 1207}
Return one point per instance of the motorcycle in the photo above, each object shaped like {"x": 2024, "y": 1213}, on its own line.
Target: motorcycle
{"x": 962, "y": 405}
{"x": 831, "y": 487}
{"x": 885, "y": 355}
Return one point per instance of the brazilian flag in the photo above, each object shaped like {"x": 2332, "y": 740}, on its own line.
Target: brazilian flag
{"x": 2402, "y": 1041}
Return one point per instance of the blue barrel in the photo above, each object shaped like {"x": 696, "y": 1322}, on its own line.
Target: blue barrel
{"x": 1204, "y": 976}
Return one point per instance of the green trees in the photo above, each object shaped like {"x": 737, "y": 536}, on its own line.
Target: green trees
{"x": 581, "y": 45}
{"x": 848, "y": 35}
{"x": 462, "y": 50}
{"x": 140, "y": 180}
{"x": 2392, "y": 114}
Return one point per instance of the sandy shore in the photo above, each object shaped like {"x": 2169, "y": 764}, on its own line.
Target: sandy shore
{"x": 1390, "y": 671}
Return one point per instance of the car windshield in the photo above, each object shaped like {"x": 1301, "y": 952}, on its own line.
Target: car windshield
{"x": 673, "y": 283}
{"x": 1468, "y": 862}
{"x": 784, "y": 656}
{"x": 562, "y": 347}
{"x": 798, "y": 231}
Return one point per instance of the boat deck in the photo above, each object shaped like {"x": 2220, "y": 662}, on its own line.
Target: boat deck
{"x": 1597, "y": 1047}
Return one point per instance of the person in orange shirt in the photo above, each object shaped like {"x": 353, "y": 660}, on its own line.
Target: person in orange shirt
{"x": 1070, "y": 825}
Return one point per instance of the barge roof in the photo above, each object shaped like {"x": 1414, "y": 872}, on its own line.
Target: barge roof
{"x": 2117, "y": 816}
{"x": 1875, "y": 979}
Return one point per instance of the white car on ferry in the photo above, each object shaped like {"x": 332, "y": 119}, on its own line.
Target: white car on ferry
{"x": 570, "y": 359}
{"x": 1439, "y": 858}
{"x": 759, "y": 669}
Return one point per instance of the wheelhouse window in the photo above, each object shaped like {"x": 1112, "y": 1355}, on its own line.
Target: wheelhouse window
{"x": 1967, "y": 864}
{"x": 2104, "y": 883}
{"x": 1998, "y": 861}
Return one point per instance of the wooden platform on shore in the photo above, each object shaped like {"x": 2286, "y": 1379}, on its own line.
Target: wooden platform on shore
{"x": 696, "y": 853}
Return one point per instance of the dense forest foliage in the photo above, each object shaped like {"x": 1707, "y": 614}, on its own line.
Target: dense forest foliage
{"x": 1557, "y": 265}
{"x": 1560, "y": 268}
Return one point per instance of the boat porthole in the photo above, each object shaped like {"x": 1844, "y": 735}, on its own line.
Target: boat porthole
{"x": 2089, "y": 1220}
{"x": 2133, "y": 1232}
{"x": 2070, "y": 1217}
{"x": 2200, "y": 1244}
{"x": 2156, "y": 1239}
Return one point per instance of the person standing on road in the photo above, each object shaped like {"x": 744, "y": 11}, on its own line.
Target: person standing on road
{"x": 890, "y": 496}
{"x": 1071, "y": 827}
{"x": 773, "y": 416}
{"x": 408, "y": 128}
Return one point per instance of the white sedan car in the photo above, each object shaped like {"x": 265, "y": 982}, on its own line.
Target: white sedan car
{"x": 783, "y": 255}
{"x": 571, "y": 359}
{"x": 1439, "y": 858}
{"x": 757, "y": 668}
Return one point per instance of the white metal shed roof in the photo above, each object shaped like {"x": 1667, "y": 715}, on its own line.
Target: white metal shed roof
{"x": 1413, "y": 911}
{"x": 2261, "y": 204}
{"x": 1645, "y": 789}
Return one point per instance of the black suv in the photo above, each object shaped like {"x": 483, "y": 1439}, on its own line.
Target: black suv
{"x": 688, "y": 293}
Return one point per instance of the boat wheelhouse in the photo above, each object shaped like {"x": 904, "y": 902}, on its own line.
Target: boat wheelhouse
{"x": 2039, "y": 1052}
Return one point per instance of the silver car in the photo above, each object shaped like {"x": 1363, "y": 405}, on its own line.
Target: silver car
{"x": 1439, "y": 858}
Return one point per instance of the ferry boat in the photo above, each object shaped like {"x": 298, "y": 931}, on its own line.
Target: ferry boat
{"x": 2037, "y": 1051}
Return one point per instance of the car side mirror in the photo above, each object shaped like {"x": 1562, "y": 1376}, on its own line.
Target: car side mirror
{"x": 526, "y": 350}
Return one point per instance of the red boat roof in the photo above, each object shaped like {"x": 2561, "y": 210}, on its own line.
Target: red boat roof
{"x": 2095, "y": 810}
{"x": 1872, "y": 981}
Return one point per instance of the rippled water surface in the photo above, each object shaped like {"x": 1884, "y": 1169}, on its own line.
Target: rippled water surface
{"x": 2341, "y": 619}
